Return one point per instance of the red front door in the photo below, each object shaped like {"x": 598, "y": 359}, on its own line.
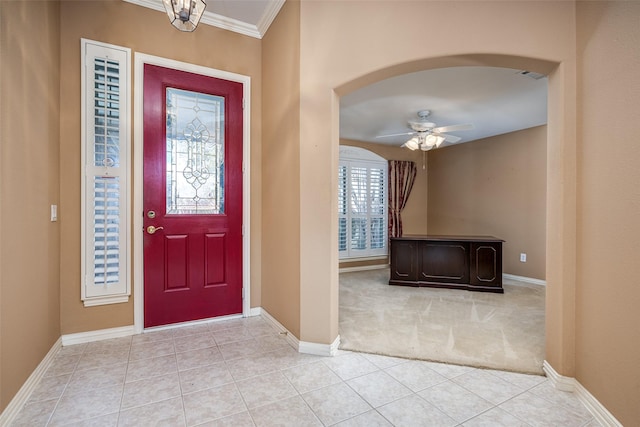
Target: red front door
{"x": 192, "y": 196}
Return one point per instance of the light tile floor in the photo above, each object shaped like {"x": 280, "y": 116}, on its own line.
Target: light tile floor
{"x": 242, "y": 372}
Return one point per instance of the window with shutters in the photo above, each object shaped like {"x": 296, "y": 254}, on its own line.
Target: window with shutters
{"x": 105, "y": 173}
{"x": 362, "y": 204}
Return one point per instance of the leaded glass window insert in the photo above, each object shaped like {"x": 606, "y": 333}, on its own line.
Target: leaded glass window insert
{"x": 195, "y": 153}
{"x": 362, "y": 208}
{"x": 105, "y": 189}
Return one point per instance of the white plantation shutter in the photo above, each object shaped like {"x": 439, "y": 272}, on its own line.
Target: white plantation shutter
{"x": 342, "y": 208}
{"x": 378, "y": 207}
{"x": 362, "y": 207}
{"x": 105, "y": 181}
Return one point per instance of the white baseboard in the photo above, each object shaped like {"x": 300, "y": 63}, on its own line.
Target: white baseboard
{"x": 320, "y": 349}
{"x": 303, "y": 346}
{"x": 13, "y": 408}
{"x": 599, "y": 412}
{"x": 291, "y": 339}
{"x": 530, "y": 280}
{"x": 101, "y": 334}
{"x": 125, "y": 331}
{"x": 363, "y": 268}
{"x": 560, "y": 382}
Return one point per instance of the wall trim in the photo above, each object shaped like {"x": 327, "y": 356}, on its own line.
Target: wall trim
{"x": 303, "y": 346}
{"x": 363, "y": 268}
{"x": 257, "y": 31}
{"x": 255, "y": 311}
{"x": 125, "y": 331}
{"x": 320, "y": 349}
{"x": 597, "y": 409}
{"x": 291, "y": 339}
{"x": 98, "y": 335}
{"x": 365, "y": 258}
{"x": 529, "y": 280}
{"x": 22, "y": 396}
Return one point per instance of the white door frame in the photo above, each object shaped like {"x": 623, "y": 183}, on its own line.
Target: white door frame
{"x": 138, "y": 142}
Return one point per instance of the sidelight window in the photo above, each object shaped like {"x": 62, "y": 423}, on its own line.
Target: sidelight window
{"x": 105, "y": 173}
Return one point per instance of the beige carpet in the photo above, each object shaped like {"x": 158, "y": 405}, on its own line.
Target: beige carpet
{"x": 499, "y": 331}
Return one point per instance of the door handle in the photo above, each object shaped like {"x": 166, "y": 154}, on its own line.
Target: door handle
{"x": 151, "y": 229}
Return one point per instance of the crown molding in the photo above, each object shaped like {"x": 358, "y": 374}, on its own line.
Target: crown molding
{"x": 270, "y": 13}
{"x": 230, "y": 24}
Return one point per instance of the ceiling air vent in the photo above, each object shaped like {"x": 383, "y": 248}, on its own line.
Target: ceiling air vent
{"x": 533, "y": 75}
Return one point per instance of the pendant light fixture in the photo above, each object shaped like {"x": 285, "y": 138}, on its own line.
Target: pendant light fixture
{"x": 184, "y": 14}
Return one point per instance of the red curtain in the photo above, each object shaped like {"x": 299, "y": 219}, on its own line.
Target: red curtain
{"x": 402, "y": 174}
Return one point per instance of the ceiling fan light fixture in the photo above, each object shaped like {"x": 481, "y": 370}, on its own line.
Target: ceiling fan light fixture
{"x": 412, "y": 144}
{"x": 427, "y": 135}
{"x": 430, "y": 140}
{"x": 185, "y": 15}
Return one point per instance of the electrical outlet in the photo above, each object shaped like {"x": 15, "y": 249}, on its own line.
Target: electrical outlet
{"x": 523, "y": 257}
{"x": 54, "y": 213}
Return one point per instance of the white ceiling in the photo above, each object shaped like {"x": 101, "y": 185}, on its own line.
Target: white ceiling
{"x": 494, "y": 100}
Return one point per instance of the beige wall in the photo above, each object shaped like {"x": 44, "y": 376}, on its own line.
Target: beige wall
{"x": 119, "y": 23}
{"x": 281, "y": 169}
{"x": 29, "y": 174}
{"x": 342, "y": 49}
{"x": 495, "y": 186}
{"x": 334, "y": 48}
{"x": 608, "y": 294}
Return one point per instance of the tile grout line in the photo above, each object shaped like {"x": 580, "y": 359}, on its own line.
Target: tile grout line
{"x": 287, "y": 360}
{"x": 55, "y": 408}
{"x": 124, "y": 382}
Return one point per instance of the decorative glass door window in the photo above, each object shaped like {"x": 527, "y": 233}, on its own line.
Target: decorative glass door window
{"x": 195, "y": 153}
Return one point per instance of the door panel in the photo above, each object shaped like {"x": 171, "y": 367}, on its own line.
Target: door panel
{"x": 215, "y": 250}
{"x": 193, "y": 195}
{"x": 176, "y": 260}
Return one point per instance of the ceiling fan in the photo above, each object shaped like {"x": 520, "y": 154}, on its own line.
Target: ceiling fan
{"x": 425, "y": 134}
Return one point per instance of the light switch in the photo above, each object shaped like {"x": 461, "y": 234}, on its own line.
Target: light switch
{"x": 54, "y": 213}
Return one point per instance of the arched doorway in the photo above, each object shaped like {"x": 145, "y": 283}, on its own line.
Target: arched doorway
{"x": 560, "y": 197}
{"x": 493, "y": 186}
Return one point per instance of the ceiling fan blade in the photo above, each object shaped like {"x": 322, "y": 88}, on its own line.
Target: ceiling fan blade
{"x": 451, "y": 138}
{"x": 453, "y": 128}
{"x": 395, "y": 134}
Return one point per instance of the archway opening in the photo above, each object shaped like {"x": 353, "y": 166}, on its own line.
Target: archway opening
{"x": 542, "y": 67}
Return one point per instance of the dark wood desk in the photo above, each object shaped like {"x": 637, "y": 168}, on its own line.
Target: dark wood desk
{"x": 462, "y": 262}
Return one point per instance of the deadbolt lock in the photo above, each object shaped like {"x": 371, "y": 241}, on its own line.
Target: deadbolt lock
{"x": 151, "y": 214}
